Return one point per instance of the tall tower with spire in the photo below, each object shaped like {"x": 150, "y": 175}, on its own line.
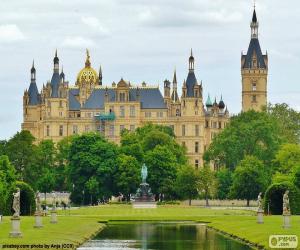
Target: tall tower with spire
{"x": 254, "y": 70}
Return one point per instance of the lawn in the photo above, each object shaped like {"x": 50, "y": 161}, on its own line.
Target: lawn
{"x": 80, "y": 224}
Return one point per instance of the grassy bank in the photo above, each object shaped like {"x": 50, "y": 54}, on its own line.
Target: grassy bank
{"x": 82, "y": 223}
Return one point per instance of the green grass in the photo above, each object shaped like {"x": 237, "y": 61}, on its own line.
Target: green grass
{"x": 82, "y": 223}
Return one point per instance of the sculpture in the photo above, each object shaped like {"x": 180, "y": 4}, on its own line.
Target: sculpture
{"x": 144, "y": 173}
{"x": 286, "y": 204}
{"x": 16, "y": 203}
{"x": 53, "y": 200}
{"x": 259, "y": 202}
{"x": 38, "y": 201}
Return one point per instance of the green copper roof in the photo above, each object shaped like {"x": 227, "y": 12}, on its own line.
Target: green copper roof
{"x": 208, "y": 102}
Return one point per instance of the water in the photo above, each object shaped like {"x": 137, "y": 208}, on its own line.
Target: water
{"x": 160, "y": 236}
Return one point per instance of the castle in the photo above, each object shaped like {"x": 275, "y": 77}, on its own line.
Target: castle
{"x": 61, "y": 109}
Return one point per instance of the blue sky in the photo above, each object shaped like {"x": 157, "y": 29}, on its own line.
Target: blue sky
{"x": 142, "y": 40}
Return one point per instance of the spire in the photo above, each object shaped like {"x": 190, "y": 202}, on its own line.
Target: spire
{"x": 191, "y": 62}
{"x": 174, "y": 77}
{"x": 33, "y": 72}
{"x": 62, "y": 74}
{"x": 208, "y": 103}
{"x": 254, "y": 25}
{"x": 100, "y": 76}
{"x": 174, "y": 96}
{"x": 221, "y": 104}
{"x": 87, "y": 61}
{"x": 56, "y": 62}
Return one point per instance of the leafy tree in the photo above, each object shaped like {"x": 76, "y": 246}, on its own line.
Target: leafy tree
{"x": 92, "y": 155}
{"x": 187, "y": 183}
{"x": 21, "y": 151}
{"x": 7, "y": 183}
{"x": 287, "y": 158}
{"x": 288, "y": 119}
{"x": 163, "y": 166}
{"x": 3, "y": 147}
{"x": 249, "y": 179}
{"x": 92, "y": 186}
{"x": 131, "y": 146}
{"x": 224, "y": 179}
{"x": 127, "y": 176}
{"x": 46, "y": 181}
{"x": 207, "y": 183}
{"x": 249, "y": 133}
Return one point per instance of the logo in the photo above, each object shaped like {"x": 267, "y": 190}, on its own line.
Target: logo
{"x": 283, "y": 241}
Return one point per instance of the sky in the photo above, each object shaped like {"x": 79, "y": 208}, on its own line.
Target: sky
{"x": 145, "y": 40}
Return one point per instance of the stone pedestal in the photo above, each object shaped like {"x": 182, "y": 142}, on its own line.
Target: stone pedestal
{"x": 53, "y": 217}
{"x": 286, "y": 221}
{"x": 38, "y": 220}
{"x": 15, "y": 228}
{"x": 260, "y": 217}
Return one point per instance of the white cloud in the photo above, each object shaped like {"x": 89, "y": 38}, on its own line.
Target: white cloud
{"x": 95, "y": 24}
{"x": 10, "y": 33}
{"x": 78, "y": 42}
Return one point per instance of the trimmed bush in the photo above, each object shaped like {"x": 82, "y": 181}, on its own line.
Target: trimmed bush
{"x": 27, "y": 200}
{"x": 274, "y": 195}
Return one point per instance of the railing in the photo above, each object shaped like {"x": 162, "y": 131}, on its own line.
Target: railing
{"x": 105, "y": 117}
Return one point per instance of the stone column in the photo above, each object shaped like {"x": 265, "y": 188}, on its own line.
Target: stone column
{"x": 15, "y": 225}
{"x": 286, "y": 221}
{"x": 38, "y": 220}
{"x": 53, "y": 217}
{"x": 260, "y": 216}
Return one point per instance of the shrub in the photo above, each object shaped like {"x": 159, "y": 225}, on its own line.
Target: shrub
{"x": 274, "y": 195}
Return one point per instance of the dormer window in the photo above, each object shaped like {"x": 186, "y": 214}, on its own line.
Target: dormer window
{"x": 122, "y": 97}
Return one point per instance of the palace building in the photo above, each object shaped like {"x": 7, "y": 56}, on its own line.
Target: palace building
{"x": 61, "y": 109}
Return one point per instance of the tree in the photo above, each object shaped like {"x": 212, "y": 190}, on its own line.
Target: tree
{"x": 92, "y": 155}
{"x": 46, "y": 181}
{"x": 92, "y": 186}
{"x": 249, "y": 133}
{"x": 207, "y": 183}
{"x": 287, "y": 158}
{"x": 224, "y": 179}
{"x": 127, "y": 176}
{"x": 249, "y": 178}
{"x": 162, "y": 166}
{"x": 21, "y": 151}
{"x": 131, "y": 146}
{"x": 3, "y": 147}
{"x": 289, "y": 121}
{"x": 187, "y": 183}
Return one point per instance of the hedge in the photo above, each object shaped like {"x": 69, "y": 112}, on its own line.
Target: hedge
{"x": 274, "y": 195}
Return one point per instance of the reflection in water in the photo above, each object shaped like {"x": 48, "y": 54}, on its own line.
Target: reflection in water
{"x": 160, "y": 236}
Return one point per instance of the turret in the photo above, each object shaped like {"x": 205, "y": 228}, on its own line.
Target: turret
{"x": 100, "y": 76}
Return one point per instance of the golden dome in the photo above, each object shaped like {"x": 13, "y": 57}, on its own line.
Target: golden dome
{"x": 88, "y": 74}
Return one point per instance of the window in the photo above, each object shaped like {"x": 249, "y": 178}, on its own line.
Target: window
{"x": 49, "y": 104}
{"x": 122, "y": 111}
{"x": 61, "y": 130}
{"x": 122, "y": 127}
{"x": 111, "y": 109}
{"x": 78, "y": 115}
{"x": 214, "y": 125}
{"x": 196, "y": 147}
{"x": 220, "y": 125}
{"x": 196, "y": 103}
{"x": 254, "y": 98}
{"x": 196, "y": 130}
{"x": 148, "y": 114}
{"x": 75, "y": 129}
{"x": 48, "y": 130}
{"x": 197, "y": 164}
{"x": 206, "y": 124}
{"x": 183, "y": 130}
{"x": 183, "y": 144}
{"x": 172, "y": 127}
{"x": 60, "y": 104}
{"x": 132, "y": 111}
{"x": 254, "y": 86}
{"x": 160, "y": 114}
{"x": 87, "y": 128}
{"x": 60, "y": 114}
{"x": 177, "y": 112}
{"x": 111, "y": 130}
{"x": 122, "y": 97}
{"x": 132, "y": 128}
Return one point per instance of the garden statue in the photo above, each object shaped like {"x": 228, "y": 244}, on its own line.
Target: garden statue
{"x": 286, "y": 204}
{"x": 53, "y": 211}
{"x": 259, "y": 202}
{"x": 53, "y": 200}
{"x": 16, "y": 203}
{"x": 38, "y": 202}
{"x": 144, "y": 173}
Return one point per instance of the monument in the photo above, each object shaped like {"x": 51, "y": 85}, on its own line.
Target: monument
{"x": 286, "y": 211}
{"x": 15, "y": 220}
{"x": 38, "y": 212}
{"x": 143, "y": 197}
{"x": 53, "y": 210}
{"x": 260, "y": 211}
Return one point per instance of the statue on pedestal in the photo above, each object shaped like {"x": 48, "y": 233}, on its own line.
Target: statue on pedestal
{"x": 16, "y": 203}
{"x": 259, "y": 202}
{"x": 286, "y": 204}
{"x": 38, "y": 202}
{"x": 53, "y": 201}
